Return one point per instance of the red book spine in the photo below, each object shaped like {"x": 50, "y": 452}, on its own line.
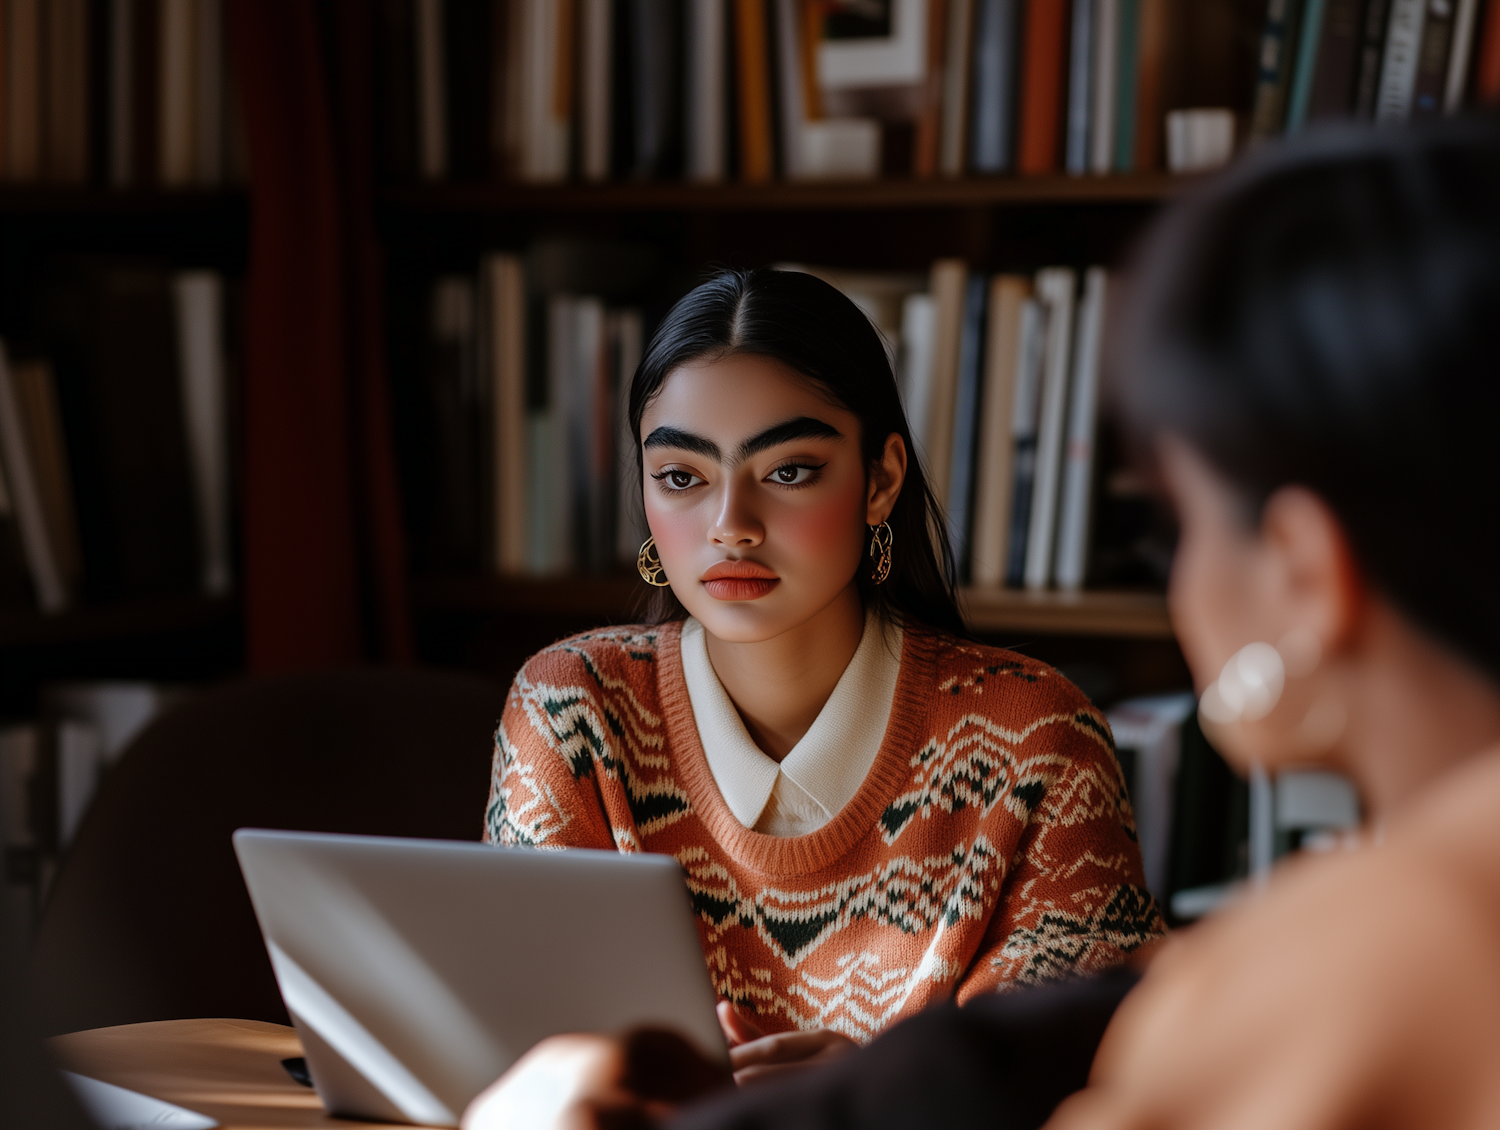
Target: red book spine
{"x": 1043, "y": 68}
{"x": 1487, "y": 73}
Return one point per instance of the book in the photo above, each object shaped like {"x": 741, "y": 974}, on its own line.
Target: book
{"x": 396, "y": 91}
{"x": 1148, "y": 736}
{"x": 210, "y": 112}
{"x": 65, "y": 107}
{"x": 23, "y": 90}
{"x": 146, "y": 92}
{"x": 551, "y": 472}
{"x": 35, "y": 393}
{"x": 957, "y": 59}
{"x": 176, "y": 131}
{"x": 705, "y": 99}
{"x": 1278, "y": 39}
{"x": 1153, "y": 41}
{"x": 1487, "y": 65}
{"x": 454, "y": 536}
{"x": 504, "y": 289}
{"x": 1371, "y": 50}
{"x": 591, "y": 435}
{"x": 1461, "y": 56}
{"x": 120, "y": 63}
{"x": 1080, "y": 87}
{"x": 627, "y": 340}
{"x": 1400, "y": 60}
{"x": 993, "y": 108}
{"x": 1044, "y": 71}
{"x": 467, "y": 58}
{"x": 25, "y": 498}
{"x": 202, "y": 365}
{"x": 753, "y": 72}
{"x": 1102, "y": 116}
{"x": 948, "y": 288}
{"x": 1335, "y": 66}
{"x": 431, "y": 81}
{"x": 1431, "y": 84}
{"x": 926, "y": 159}
{"x": 966, "y": 423}
{"x": 656, "y": 43}
{"x": 1075, "y": 512}
{"x": 914, "y": 367}
{"x": 1055, "y": 288}
{"x": 545, "y": 52}
{"x": 1025, "y": 419}
{"x": 1304, "y": 66}
{"x": 791, "y": 91}
{"x": 993, "y": 477}
{"x": 1127, "y": 76}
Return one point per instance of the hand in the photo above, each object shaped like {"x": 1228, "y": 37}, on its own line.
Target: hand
{"x": 596, "y": 1083}
{"x": 755, "y": 1056}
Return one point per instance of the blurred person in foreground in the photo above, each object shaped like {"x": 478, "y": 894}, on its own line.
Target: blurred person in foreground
{"x": 1310, "y": 360}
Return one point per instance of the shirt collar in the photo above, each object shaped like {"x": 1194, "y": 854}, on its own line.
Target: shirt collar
{"x": 833, "y": 757}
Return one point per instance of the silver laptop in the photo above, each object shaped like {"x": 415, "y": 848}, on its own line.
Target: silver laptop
{"x": 417, "y": 971}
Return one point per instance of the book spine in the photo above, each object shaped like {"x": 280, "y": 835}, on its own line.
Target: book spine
{"x": 505, "y": 361}
{"x": 754, "y": 64}
{"x": 914, "y": 375}
{"x": 1127, "y": 75}
{"x": 656, "y": 73}
{"x": 20, "y": 477}
{"x": 586, "y": 357}
{"x": 630, "y": 518}
{"x": 467, "y": 63}
{"x": 432, "y": 115}
{"x": 177, "y": 127}
{"x": 1025, "y": 418}
{"x": 1103, "y": 116}
{"x": 1083, "y": 402}
{"x": 1055, "y": 286}
{"x": 1432, "y": 63}
{"x": 948, "y": 290}
{"x": 121, "y": 92}
{"x": 1150, "y": 109}
{"x": 1487, "y": 67}
{"x": 957, "y": 56}
{"x": 145, "y": 101}
{"x": 1371, "y": 50}
{"x": 706, "y": 104}
{"x": 1277, "y": 49}
{"x": 1309, "y": 48}
{"x": 551, "y": 470}
{"x": 66, "y": 105}
{"x": 1080, "y": 96}
{"x": 993, "y": 485}
{"x": 1042, "y": 86}
{"x": 1461, "y": 57}
{"x": 208, "y": 113}
{"x": 965, "y": 424}
{"x": 1336, "y": 66}
{"x": 930, "y": 119}
{"x": 23, "y": 49}
{"x": 1401, "y": 60}
{"x": 547, "y": 89}
{"x": 41, "y": 423}
{"x": 791, "y": 101}
{"x": 595, "y": 39}
{"x": 199, "y": 297}
{"x": 992, "y": 147}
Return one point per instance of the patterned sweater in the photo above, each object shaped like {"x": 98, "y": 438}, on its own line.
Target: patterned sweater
{"x": 991, "y": 845}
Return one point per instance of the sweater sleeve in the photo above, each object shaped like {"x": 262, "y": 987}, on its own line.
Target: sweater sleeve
{"x": 544, "y": 788}
{"x": 1075, "y": 899}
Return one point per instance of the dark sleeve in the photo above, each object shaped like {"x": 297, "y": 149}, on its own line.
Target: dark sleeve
{"x": 1001, "y": 1061}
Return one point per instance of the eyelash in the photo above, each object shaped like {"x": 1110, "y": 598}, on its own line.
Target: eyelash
{"x": 662, "y": 477}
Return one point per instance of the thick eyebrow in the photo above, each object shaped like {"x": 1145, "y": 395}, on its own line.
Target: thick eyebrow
{"x": 802, "y": 427}
{"x": 667, "y": 436}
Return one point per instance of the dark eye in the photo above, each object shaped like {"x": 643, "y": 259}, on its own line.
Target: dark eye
{"x": 680, "y": 479}
{"x": 787, "y": 474}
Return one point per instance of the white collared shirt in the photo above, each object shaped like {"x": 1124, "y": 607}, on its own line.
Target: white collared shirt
{"x": 825, "y": 769}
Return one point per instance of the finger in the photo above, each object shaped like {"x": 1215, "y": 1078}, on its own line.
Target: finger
{"x": 737, "y": 1029}
{"x": 768, "y": 1072}
{"x": 783, "y": 1047}
{"x": 546, "y": 1086}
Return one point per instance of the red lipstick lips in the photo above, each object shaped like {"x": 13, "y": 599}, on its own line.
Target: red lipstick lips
{"x": 739, "y": 580}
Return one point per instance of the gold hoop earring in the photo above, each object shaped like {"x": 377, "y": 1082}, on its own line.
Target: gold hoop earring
{"x": 648, "y": 564}
{"x": 881, "y": 537}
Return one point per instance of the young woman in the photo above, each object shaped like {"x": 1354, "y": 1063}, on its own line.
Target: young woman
{"x": 1310, "y": 360}
{"x": 873, "y": 812}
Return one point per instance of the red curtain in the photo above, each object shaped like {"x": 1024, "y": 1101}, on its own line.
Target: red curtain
{"x": 324, "y": 560}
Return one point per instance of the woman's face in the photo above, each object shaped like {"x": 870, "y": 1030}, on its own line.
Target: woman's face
{"x": 757, "y": 495}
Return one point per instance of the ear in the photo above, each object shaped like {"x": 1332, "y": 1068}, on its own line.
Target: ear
{"x": 885, "y": 479}
{"x": 1312, "y": 566}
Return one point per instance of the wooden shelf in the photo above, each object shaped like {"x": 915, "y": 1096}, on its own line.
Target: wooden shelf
{"x": 65, "y": 200}
{"x": 676, "y": 196}
{"x": 1134, "y": 615}
{"x": 116, "y": 621}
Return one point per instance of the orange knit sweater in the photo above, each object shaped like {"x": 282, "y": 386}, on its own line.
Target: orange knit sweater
{"x": 991, "y": 845}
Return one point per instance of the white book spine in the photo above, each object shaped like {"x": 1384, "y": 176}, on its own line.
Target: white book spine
{"x": 949, "y": 277}
{"x": 545, "y": 129}
{"x": 1055, "y": 287}
{"x": 630, "y": 517}
{"x": 596, "y": 30}
{"x": 1458, "y": 57}
{"x": 705, "y": 104}
{"x": 1403, "y": 54}
{"x": 178, "y": 64}
{"x": 20, "y": 475}
{"x": 209, "y": 114}
{"x": 1083, "y": 409}
{"x": 956, "y": 62}
{"x": 994, "y": 488}
{"x": 918, "y": 324}
{"x": 200, "y": 347}
{"x": 1102, "y": 118}
{"x": 505, "y": 357}
{"x": 432, "y": 111}
{"x": 121, "y": 92}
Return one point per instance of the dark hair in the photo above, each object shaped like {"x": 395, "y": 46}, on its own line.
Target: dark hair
{"x": 813, "y": 329}
{"x": 1328, "y": 315}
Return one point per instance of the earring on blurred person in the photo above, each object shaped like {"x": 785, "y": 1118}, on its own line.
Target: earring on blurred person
{"x": 881, "y": 537}
{"x": 1252, "y": 682}
{"x": 648, "y": 564}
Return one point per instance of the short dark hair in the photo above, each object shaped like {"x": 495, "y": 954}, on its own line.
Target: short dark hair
{"x": 816, "y": 331}
{"x": 1328, "y": 315}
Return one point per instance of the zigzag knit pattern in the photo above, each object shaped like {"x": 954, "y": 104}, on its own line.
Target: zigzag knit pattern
{"x": 992, "y": 844}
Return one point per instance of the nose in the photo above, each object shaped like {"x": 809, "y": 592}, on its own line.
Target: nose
{"x": 735, "y": 525}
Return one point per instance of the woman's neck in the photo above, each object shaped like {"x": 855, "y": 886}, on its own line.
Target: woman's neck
{"x": 780, "y": 685}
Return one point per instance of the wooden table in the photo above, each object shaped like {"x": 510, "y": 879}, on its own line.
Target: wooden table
{"x": 229, "y": 1070}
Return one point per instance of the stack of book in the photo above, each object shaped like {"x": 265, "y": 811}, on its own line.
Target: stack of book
{"x": 114, "y": 439}
{"x": 532, "y": 467}
{"x": 752, "y": 90}
{"x": 1381, "y": 60}
{"x": 123, "y": 92}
